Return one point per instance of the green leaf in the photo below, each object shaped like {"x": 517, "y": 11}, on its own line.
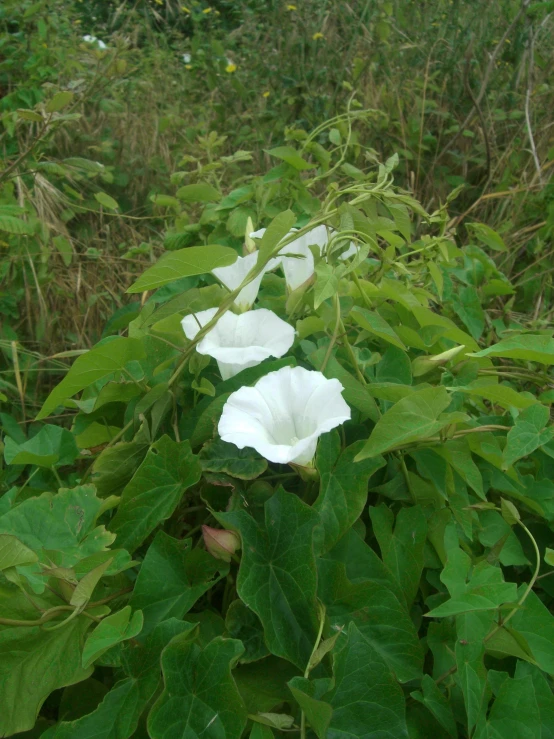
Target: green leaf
{"x": 510, "y": 514}
{"x": 85, "y": 587}
{"x": 343, "y": 488}
{"x": 508, "y": 643}
{"x": 59, "y": 101}
{"x": 277, "y": 576}
{"x": 467, "y": 305}
{"x": 377, "y": 611}
{"x": 367, "y": 701}
{"x": 164, "y": 201}
{"x": 528, "y": 434}
{"x": 106, "y": 201}
{"x": 487, "y": 236}
{"x": 33, "y": 663}
{"x": 113, "y": 469}
{"x": 220, "y": 456}
{"x": 243, "y": 624}
{"x": 172, "y": 577}
{"x": 277, "y": 230}
{"x": 327, "y": 283}
{"x": 260, "y": 731}
{"x": 117, "y": 716}
{"x": 543, "y": 695}
{"x": 515, "y": 712}
{"x": 484, "y": 590}
{"x": 29, "y": 115}
{"x": 530, "y": 347}
{"x": 290, "y": 156}
{"x": 65, "y": 249}
{"x": 471, "y": 676}
{"x": 318, "y": 712}
{"x": 415, "y": 417}
{"x": 402, "y": 550}
{"x": 501, "y": 395}
{"x": 200, "y": 697}
{"x": 437, "y": 703}
{"x": 99, "y": 362}
{"x": 196, "y": 260}
{"x": 263, "y": 684}
{"x": 58, "y": 526}
{"x": 536, "y": 625}
{"x": 53, "y": 446}
{"x": 13, "y": 552}
{"x": 374, "y": 323}
{"x": 154, "y": 491}
{"x": 113, "y": 629}
{"x": 199, "y": 193}
{"x": 16, "y": 226}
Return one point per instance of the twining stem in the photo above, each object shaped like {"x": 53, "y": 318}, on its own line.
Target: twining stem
{"x": 307, "y": 670}
{"x": 57, "y": 610}
{"x": 336, "y": 303}
{"x": 528, "y": 589}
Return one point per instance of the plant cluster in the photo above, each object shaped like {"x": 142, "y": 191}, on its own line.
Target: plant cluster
{"x": 307, "y": 489}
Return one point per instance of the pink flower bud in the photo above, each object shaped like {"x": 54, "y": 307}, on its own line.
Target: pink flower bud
{"x": 220, "y": 543}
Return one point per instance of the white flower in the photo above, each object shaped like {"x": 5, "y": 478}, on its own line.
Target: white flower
{"x": 284, "y": 414}
{"x": 234, "y": 275}
{"x": 240, "y": 341}
{"x": 96, "y": 41}
{"x": 299, "y": 270}
{"x": 187, "y": 58}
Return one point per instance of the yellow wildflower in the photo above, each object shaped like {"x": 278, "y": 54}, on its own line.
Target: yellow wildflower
{"x": 317, "y": 36}
{"x": 188, "y": 66}
{"x": 265, "y": 94}
{"x": 207, "y": 10}
{"x": 230, "y": 68}
{"x": 291, "y": 7}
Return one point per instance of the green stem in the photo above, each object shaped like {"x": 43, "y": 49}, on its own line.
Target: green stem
{"x": 307, "y": 670}
{"x": 336, "y": 302}
{"x": 528, "y": 589}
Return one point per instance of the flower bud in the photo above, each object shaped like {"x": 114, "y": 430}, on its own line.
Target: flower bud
{"x": 220, "y": 543}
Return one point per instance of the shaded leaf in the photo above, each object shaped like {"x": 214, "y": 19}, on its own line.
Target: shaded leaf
{"x": 172, "y": 578}
{"x": 154, "y": 491}
{"x": 53, "y": 446}
{"x": 99, "y": 362}
{"x": 113, "y": 629}
{"x": 277, "y": 576}
{"x": 200, "y": 697}
{"x": 366, "y": 699}
{"x": 402, "y": 550}
{"x": 528, "y": 434}
{"x": 220, "y": 456}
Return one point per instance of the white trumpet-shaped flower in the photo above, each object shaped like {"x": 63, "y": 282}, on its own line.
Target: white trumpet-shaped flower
{"x": 233, "y": 276}
{"x": 284, "y": 414}
{"x": 240, "y": 341}
{"x": 298, "y": 269}
{"x": 96, "y": 41}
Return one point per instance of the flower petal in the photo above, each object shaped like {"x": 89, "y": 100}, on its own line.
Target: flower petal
{"x": 195, "y": 321}
{"x": 284, "y": 414}
{"x": 241, "y": 341}
{"x": 233, "y": 276}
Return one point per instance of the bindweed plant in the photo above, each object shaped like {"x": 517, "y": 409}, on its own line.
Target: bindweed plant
{"x": 303, "y": 486}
